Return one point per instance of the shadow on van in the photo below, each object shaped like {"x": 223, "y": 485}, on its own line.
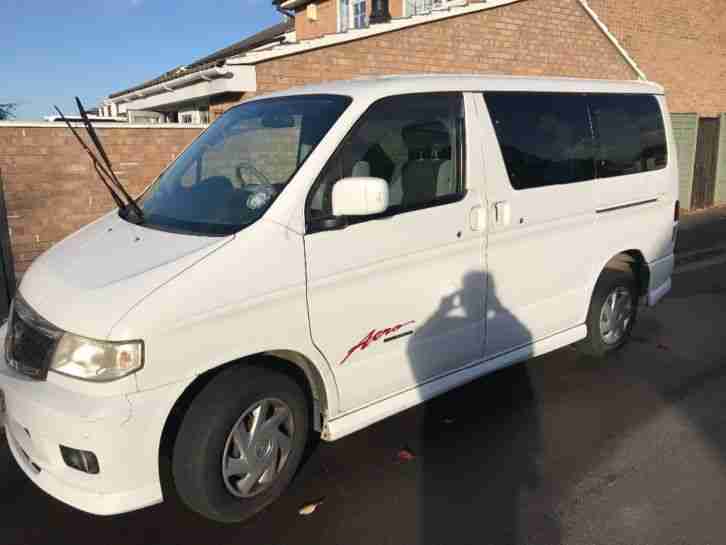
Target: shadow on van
{"x": 478, "y": 447}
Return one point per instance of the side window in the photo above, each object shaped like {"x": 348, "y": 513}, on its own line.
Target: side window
{"x": 630, "y": 134}
{"x": 545, "y": 138}
{"x": 414, "y": 142}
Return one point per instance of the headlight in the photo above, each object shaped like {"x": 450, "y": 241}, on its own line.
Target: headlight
{"x": 98, "y": 361}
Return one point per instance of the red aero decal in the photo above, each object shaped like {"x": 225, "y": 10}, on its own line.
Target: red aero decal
{"x": 373, "y": 336}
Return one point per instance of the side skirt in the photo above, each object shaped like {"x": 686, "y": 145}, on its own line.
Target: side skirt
{"x": 362, "y": 417}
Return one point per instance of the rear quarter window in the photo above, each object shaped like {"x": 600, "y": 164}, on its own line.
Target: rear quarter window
{"x": 629, "y": 133}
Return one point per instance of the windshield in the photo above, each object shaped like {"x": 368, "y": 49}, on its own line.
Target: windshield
{"x": 233, "y": 172}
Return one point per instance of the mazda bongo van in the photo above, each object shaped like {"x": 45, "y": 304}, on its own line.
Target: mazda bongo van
{"x": 322, "y": 258}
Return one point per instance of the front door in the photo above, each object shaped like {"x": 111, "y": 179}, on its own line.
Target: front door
{"x": 397, "y": 299}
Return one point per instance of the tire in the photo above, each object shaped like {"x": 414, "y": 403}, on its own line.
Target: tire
{"x": 219, "y": 490}
{"x": 612, "y": 281}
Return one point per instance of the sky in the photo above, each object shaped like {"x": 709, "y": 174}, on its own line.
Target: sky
{"x": 53, "y": 50}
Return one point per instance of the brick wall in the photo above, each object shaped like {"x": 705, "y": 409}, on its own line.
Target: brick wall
{"x": 218, "y": 104}
{"x": 51, "y": 188}
{"x": 533, "y": 37}
{"x": 395, "y": 7}
{"x": 678, "y": 43}
{"x": 327, "y": 22}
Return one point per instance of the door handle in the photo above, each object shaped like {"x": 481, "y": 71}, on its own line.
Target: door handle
{"x": 478, "y": 218}
{"x": 502, "y": 213}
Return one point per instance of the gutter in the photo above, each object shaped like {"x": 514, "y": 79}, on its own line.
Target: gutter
{"x": 610, "y": 36}
{"x": 207, "y": 74}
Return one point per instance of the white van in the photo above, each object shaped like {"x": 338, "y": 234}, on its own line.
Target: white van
{"x": 325, "y": 257}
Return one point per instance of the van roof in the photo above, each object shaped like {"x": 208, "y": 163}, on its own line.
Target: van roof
{"x": 375, "y": 87}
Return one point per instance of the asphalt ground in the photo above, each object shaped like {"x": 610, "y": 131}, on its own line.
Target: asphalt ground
{"x": 563, "y": 449}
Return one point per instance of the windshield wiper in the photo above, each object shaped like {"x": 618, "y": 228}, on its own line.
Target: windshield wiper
{"x": 104, "y": 169}
{"x": 102, "y": 174}
{"x": 94, "y": 138}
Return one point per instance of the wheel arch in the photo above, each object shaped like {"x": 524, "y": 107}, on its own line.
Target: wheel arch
{"x": 290, "y": 362}
{"x": 631, "y": 260}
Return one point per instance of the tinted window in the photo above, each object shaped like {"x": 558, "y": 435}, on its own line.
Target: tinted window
{"x": 630, "y": 134}
{"x": 545, "y": 138}
{"x": 412, "y": 142}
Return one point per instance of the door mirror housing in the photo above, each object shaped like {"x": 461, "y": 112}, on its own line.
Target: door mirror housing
{"x": 360, "y": 196}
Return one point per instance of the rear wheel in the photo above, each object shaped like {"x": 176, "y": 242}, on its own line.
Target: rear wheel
{"x": 612, "y": 313}
{"x": 240, "y": 443}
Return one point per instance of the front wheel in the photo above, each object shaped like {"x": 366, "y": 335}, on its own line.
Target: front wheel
{"x": 612, "y": 313}
{"x": 240, "y": 443}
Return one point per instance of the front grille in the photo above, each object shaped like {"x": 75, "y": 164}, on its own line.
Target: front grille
{"x": 31, "y": 341}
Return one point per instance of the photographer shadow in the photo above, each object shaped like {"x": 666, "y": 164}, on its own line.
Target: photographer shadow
{"x": 479, "y": 446}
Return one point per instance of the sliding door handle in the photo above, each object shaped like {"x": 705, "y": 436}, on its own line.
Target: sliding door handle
{"x": 502, "y": 213}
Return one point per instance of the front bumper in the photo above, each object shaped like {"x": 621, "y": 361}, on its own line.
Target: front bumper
{"x": 124, "y": 431}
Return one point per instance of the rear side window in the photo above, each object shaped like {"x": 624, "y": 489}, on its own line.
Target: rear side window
{"x": 545, "y": 138}
{"x": 630, "y": 134}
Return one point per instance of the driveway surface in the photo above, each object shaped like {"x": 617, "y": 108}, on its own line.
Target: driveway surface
{"x": 562, "y": 449}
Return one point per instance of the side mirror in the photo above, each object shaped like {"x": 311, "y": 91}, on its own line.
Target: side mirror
{"x": 360, "y": 196}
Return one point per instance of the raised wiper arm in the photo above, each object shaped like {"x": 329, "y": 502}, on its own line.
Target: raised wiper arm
{"x": 100, "y": 170}
{"x": 107, "y": 163}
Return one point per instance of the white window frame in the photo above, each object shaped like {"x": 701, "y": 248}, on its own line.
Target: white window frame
{"x": 192, "y": 115}
{"x": 429, "y": 6}
{"x": 346, "y": 14}
{"x": 417, "y": 7}
{"x": 364, "y": 20}
{"x": 343, "y": 15}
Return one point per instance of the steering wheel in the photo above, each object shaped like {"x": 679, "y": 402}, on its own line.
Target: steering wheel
{"x": 245, "y": 169}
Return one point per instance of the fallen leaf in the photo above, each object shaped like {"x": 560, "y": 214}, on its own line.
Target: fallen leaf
{"x": 310, "y": 508}
{"x": 405, "y": 455}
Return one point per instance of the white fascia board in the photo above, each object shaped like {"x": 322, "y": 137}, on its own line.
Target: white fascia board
{"x": 243, "y": 79}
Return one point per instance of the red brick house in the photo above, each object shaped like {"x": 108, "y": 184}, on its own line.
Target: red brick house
{"x": 678, "y": 43}
{"x": 341, "y": 39}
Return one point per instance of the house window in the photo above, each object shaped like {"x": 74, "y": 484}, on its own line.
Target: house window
{"x": 352, "y": 14}
{"x": 359, "y": 13}
{"x": 204, "y": 114}
{"x": 343, "y": 15}
{"x": 417, "y": 7}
